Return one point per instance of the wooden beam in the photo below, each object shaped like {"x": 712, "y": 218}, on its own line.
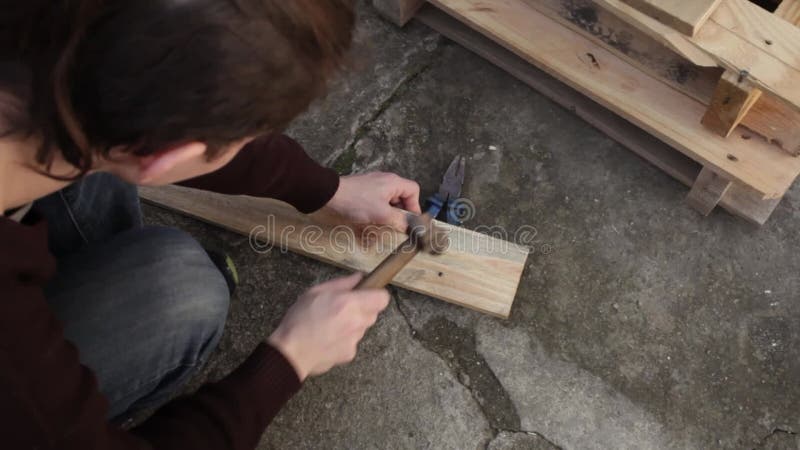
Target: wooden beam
{"x": 682, "y": 15}
{"x": 707, "y": 191}
{"x": 398, "y": 12}
{"x": 789, "y": 10}
{"x": 477, "y": 271}
{"x": 732, "y": 100}
{"x": 738, "y": 200}
{"x": 649, "y": 103}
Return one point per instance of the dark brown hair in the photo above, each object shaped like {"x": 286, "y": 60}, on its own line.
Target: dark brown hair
{"x": 148, "y": 74}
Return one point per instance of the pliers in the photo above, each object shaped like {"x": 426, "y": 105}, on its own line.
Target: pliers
{"x": 449, "y": 193}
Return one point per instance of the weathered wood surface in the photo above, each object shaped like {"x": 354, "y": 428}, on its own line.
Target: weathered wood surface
{"x": 707, "y": 191}
{"x": 686, "y": 16}
{"x": 477, "y": 271}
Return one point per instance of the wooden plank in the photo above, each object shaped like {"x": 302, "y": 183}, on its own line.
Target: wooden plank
{"x": 592, "y": 20}
{"x": 733, "y": 98}
{"x": 686, "y": 16}
{"x": 738, "y": 200}
{"x": 477, "y": 271}
{"x": 397, "y": 11}
{"x": 789, "y": 10}
{"x": 762, "y": 29}
{"x": 631, "y": 93}
{"x": 770, "y": 117}
{"x": 707, "y": 191}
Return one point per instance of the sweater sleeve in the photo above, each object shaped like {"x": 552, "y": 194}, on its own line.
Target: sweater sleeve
{"x": 48, "y": 399}
{"x": 273, "y": 166}
{"x": 229, "y": 414}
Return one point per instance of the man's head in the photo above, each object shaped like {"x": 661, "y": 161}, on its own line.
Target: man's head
{"x": 159, "y": 90}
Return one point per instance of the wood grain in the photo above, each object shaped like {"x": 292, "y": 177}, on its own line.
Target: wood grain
{"x": 738, "y": 200}
{"x": 707, "y": 191}
{"x": 686, "y": 16}
{"x": 770, "y": 118}
{"x": 631, "y": 93}
{"x": 477, "y": 271}
{"x": 789, "y": 10}
{"x": 733, "y": 98}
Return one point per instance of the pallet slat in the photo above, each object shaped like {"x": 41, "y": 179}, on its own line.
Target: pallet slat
{"x": 684, "y": 16}
{"x": 477, "y": 271}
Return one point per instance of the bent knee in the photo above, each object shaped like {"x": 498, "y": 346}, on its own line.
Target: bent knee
{"x": 183, "y": 275}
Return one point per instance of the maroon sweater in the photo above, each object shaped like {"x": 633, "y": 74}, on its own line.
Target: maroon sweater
{"x": 48, "y": 400}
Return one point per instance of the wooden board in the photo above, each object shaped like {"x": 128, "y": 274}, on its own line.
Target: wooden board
{"x": 631, "y": 93}
{"x": 477, "y": 271}
{"x": 789, "y": 10}
{"x": 686, "y": 16}
{"x": 738, "y": 200}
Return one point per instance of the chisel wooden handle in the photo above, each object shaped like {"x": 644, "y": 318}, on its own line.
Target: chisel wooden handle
{"x": 389, "y": 267}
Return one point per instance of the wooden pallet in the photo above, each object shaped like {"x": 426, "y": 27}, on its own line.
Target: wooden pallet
{"x": 743, "y": 173}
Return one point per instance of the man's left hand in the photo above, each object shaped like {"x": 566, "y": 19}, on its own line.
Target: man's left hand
{"x": 370, "y": 198}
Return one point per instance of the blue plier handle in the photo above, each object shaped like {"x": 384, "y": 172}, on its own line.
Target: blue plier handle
{"x": 448, "y": 194}
{"x": 436, "y": 203}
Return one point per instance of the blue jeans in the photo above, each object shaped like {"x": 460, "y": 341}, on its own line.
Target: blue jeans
{"x": 144, "y": 305}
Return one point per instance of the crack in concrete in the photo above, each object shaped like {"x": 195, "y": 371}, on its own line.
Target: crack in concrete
{"x": 775, "y": 432}
{"x": 499, "y": 410}
{"x": 342, "y": 160}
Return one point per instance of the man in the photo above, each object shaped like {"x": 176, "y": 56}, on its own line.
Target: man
{"x": 99, "y": 316}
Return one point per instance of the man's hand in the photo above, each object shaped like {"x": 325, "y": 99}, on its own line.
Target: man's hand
{"x": 322, "y": 329}
{"x": 368, "y": 199}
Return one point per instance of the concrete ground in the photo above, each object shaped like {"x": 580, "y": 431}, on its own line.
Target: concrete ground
{"x": 638, "y": 324}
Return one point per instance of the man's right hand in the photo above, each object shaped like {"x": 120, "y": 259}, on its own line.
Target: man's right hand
{"x": 322, "y": 329}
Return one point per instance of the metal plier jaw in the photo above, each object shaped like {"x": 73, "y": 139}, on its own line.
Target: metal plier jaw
{"x": 449, "y": 193}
